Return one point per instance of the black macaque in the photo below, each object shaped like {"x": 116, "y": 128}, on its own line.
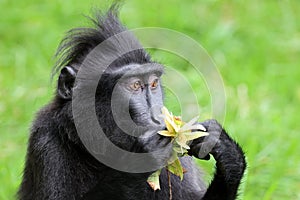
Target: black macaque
{"x": 59, "y": 167}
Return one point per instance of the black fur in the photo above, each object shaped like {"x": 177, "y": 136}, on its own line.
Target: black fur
{"x": 80, "y": 41}
{"x": 58, "y": 167}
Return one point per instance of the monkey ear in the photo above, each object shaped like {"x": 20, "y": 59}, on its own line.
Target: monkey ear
{"x": 66, "y": 81}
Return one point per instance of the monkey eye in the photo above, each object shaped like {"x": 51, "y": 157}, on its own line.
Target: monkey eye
{"x": 154, "y": 84}
{"x": 136, "y": 85}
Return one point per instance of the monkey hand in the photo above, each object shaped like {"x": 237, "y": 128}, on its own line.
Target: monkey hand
{"x": 210, "y": 144}
{"x": 230, "y": 159}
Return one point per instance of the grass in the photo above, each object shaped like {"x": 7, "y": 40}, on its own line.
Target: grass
{"x": 256, "y": 46}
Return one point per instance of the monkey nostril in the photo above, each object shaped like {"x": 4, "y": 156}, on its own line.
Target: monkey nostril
{"x": 156, "y": 120}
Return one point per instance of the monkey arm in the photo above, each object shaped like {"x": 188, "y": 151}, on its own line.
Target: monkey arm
{"x": 230, "y": 161}
{"x": 48, "y": 173}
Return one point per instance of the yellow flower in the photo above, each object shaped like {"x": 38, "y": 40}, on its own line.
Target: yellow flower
{"x": 181, "y": 134}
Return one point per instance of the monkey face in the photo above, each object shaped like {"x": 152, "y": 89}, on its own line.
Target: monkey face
{"x": 137, "y": 97}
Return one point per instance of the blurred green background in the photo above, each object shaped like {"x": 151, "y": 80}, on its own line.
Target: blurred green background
{"x": 255, "y": 44}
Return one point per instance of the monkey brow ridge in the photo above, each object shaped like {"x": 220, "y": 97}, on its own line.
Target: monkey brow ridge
{"x": 136, "y": 69}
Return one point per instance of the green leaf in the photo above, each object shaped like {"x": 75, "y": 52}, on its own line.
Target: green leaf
{"x": 173, "y": 157}
{"x": 176, "y": 168}
{"x": 153, "y": 180}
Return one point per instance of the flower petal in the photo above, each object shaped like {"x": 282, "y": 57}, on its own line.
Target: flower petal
{"x": 187, "y": 126}
{"x": 166, "y": 133}
{"x": 194, "y": 135}
{"x": 182, "y": 143}
{"x": 198, "y": 127}
{"x": 169, "y": 122}
{"x": 169, "y": 126}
